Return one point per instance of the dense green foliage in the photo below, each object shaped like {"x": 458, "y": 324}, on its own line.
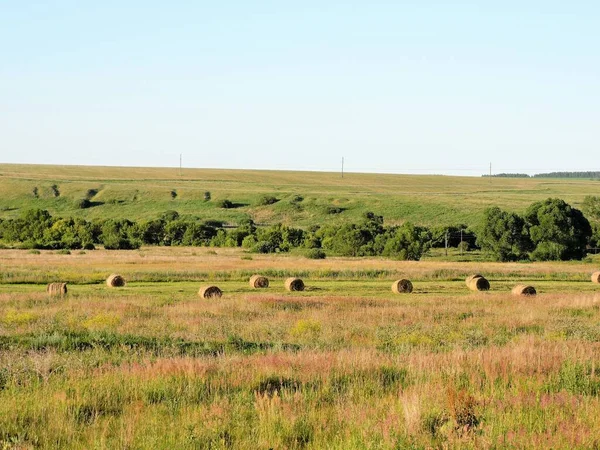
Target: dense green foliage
{"x": 502, "y": 234}
{"x": 38, "y": 229}
{"x": 550, "y": 230}
{"x": 557, "y": 231}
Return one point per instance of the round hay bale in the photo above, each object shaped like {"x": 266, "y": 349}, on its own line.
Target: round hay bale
{"x": 523, "y": 289}
{"x": 294, "y": 284}
{"x": 479, "y": 284}
{"x": 402, "y": 287}
{"x": 210, "y": 292}
{"x": 596, "y": 277}
{"x": 471, "y": 277}
{"x": 57, "y": 289}
{"x": 115, "y": 280}
{"x": 259, "y": 282}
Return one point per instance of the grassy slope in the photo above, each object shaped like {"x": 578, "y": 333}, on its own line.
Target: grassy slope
{"x": 143, "y": 193}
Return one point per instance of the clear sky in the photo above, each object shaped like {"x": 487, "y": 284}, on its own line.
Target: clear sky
{"x": 393, "y": 86}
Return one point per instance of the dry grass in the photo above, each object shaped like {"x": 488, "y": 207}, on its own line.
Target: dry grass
{"x": 343, "y": 365}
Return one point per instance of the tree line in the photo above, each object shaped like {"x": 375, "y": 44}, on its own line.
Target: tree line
{"x": 588, "y": 174}
{"x": 549, "y": 230}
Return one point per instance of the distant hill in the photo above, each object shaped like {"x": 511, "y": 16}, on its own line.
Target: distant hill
{"x": 269, "y": 196}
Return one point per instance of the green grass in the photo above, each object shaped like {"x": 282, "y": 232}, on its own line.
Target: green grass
{"x": 144, "y": 193}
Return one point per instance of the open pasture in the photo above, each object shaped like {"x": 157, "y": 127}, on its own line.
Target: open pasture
{"x": 344, "y": 364}
{"x": 303, "y": 198}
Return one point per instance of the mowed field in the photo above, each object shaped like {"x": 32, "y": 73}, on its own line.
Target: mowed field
{"x": 344, "y": 364}
{"x": 145, "y": 193}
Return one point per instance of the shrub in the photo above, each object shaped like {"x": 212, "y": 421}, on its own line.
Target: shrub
{"x": 207, "y": 196}
{"x": 333, "y": 210}
{"x": 225, "y": 204}
{"x": 83, "y": 203}
{"x": 173, "y": 194}
{"x": 316, "y": 253}
{"x": 267, "y": 200}
{"x": 64, "y": 251}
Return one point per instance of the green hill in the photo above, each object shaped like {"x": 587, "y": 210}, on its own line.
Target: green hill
{"x": 303, "y": 198}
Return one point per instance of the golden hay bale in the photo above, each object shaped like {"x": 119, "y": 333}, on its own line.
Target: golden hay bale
{"x": 523, "y": 289}
{"x": 259, "y": 282}
{"x": 294, "y": 284}
{"x": 402, "y": 287}
{"x": 115, "y": 280}
{"x": 210, "y": 292}
{"x": 56, "y": 289}
{"x": 471, "y": 277}
{"x": 478, "y": 283}
{"x": 596, "y": 277}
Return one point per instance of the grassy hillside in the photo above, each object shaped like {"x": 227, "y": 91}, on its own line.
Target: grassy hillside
{"x": 143, "y": 193}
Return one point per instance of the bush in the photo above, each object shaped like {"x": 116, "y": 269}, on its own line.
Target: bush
{"x": 225, "y": 204}
{"x": 316, "y": 253}
{"x": 267, "y": 200}
{"x": 207, "y": 196}
{"x": 333, "y": 210}
{"x": 64, "y": 251}
{"x": 84, "y": 203}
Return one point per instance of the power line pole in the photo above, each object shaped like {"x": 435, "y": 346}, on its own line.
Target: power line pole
{"x": 180, "y": 165}
{"x": 342, "y": 167}
{"x": 490, "y": 173}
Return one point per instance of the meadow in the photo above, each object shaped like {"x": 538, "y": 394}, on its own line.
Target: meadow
{"x": 344, "y": 364}
{"x": 303, "y": 198}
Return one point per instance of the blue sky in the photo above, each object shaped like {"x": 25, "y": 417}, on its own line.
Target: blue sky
{"x": 392, "y": 86}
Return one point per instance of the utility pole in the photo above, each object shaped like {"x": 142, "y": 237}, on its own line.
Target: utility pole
{"x": 490, "y": 173}
{"x": 461, "y": 241}
{"x": 446, "y": 242}
{"x": 180, "y": 159}
{"x": 342, "y": 167}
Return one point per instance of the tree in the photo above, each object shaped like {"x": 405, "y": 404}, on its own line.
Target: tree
{"x": 591, "y": 206}
{"x": 407, "y": 242}
{"x": 557, "y": 230}
{"x": 502, "y": 234}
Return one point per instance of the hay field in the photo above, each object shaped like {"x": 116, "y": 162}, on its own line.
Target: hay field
{"x": 144, "y": 193}
{"x": 344, "y": 364}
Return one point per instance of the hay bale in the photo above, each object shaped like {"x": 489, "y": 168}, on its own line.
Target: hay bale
{"x": 259, "y": 282}
{"x": 210, "y": 292}
{"x": 115, "y": 280}
{"x": 523, "y": 289}
{"x": 56, "y": 289}
{"x": 478, "y": 283}
{"x": 472, "y": 277}
{"x": 402, "y": 287}
{"x": 294, "y": 284}
{"x": 596, "y": 277}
